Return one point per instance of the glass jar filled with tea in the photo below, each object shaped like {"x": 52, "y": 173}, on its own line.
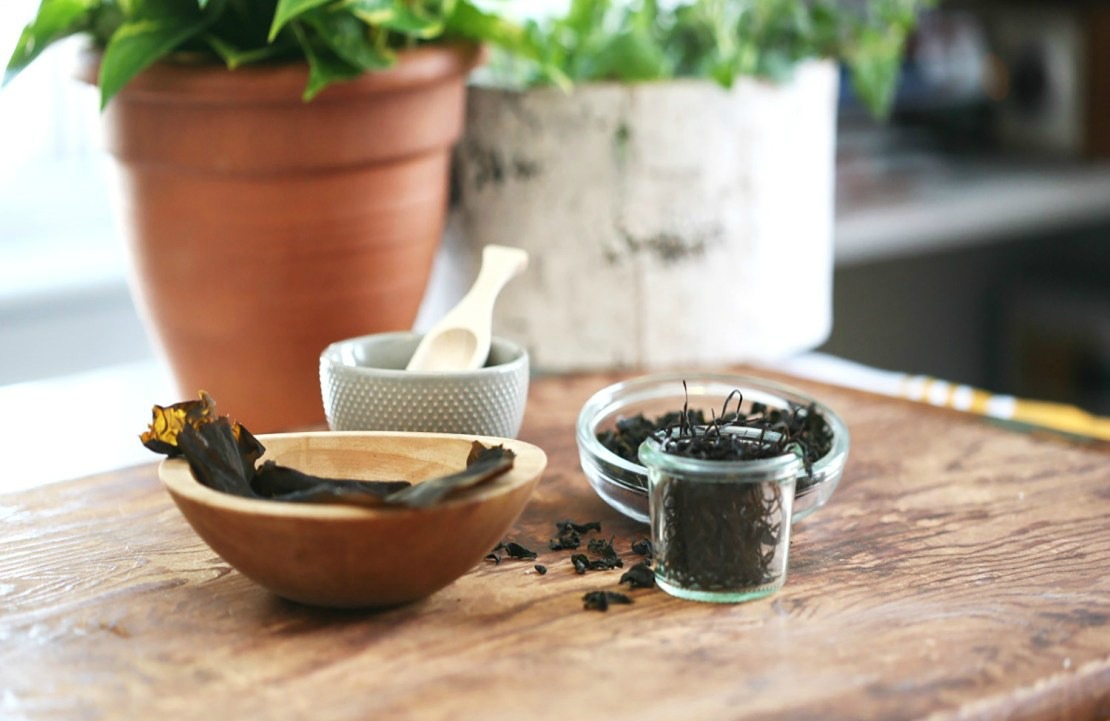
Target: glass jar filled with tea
{"x": 720, "y": 499}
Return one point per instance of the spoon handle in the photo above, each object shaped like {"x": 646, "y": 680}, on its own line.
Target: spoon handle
{"x": 461, "y": 339}
{"x": 500, "y": 264}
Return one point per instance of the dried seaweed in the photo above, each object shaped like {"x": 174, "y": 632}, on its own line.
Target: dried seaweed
{"x": 223, "y": 455}
{"x": 601, "y": 600}
{"x": 639, "y": 576}
{"x": 570, "y": 534}
{"x": 483, "y": 464}
{"x": 799, "y": 429}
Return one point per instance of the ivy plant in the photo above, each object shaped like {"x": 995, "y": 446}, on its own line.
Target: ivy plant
{"x": 621, "y": 40}
{"x": 340, "y": 39}
{"x": 721, "y": 40}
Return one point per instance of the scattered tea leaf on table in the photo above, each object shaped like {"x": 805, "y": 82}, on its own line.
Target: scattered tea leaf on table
{"x": 519, "y": 552}
{"x": 570, "y": 534}
{"x": 639, "y": 576}
{"x": 601, "y": 600}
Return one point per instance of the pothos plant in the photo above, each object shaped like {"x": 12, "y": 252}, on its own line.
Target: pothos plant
{"x": 646, "y": 40}
{"x": 339, "y": 39}
{"x": 623, "y": 40}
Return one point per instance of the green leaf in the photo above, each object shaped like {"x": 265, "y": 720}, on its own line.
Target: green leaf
{"x": 288, "y": 10}
{"x": 469, "y": 22}
{"x": 324, "y": 66}
{"x": 350, "y": 39}
{"x": 139, "y": 43}
{"x": 55, "y": 20}
{"x": 875, "y": 66}
{"x": 399, "y": 16}
{"x": 234, "y": 56}
{"x": 371, "y": 12}
{"x": 631, "y": 56}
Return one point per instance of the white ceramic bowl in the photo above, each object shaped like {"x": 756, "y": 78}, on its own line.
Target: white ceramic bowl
{"x": 365, "y": 387}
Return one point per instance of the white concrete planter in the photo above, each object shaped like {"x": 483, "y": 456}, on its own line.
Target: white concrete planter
{"x": 668, "y": 224}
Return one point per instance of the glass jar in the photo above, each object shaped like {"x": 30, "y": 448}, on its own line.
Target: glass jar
{"x": 720, "y": 530}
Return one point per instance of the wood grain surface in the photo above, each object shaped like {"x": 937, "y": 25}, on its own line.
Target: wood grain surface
{"x": 962, "y": 570}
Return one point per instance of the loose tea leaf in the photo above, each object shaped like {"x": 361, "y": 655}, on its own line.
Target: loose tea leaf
{"x": 642, "y": 547}
{"x": 601, "y": 600}
{"x": 570, "y": 534}
{"x": 629, "y": 433}
{"x": 639, "y": 576}
{"x": 718, "y": 536}
{"x": 579, "y": 527}
{"x": 797, "y": 429}
{"x": 605, "y": 550}
{"x": 541, "y": 569}
{"x": 608, "y": 558}
{"x": 515, "y": 550}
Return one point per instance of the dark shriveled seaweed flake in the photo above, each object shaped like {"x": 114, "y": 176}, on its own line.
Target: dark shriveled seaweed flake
{"x": 642, "y": 547}
{"x": 601, "y": 600}
{"x": 570, "y": 533}
{"x": 607, "y": 555}
{"x": 639, "y": 576}
{"x": 519, "y": 552}
{"x": 565, "y": 541}
{"x": 803, "y": 430}
{"x": 579, "y": 527}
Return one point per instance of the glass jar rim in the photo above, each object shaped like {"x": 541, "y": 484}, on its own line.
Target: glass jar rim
{"x": 786, "y": 466}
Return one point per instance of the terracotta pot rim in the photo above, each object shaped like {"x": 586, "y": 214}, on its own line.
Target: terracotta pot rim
{"x": 212, "y": 82}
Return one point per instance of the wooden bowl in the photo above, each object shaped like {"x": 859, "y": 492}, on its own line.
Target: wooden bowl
{"x": 353, "y": 557}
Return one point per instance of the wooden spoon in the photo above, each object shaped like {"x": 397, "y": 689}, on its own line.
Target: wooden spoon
{"x": 461, "y": 339}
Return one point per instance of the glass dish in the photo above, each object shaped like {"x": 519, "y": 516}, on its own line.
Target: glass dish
{"x": 623, "y": 484}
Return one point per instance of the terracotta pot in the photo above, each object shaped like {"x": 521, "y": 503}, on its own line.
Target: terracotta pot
{"x": 263, "y": 228}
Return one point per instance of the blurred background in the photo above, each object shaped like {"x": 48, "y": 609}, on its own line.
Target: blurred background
{"x": 972, "y": 235}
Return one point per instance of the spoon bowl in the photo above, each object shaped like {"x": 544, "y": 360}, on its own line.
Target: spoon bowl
{"x": 461, "y": 340}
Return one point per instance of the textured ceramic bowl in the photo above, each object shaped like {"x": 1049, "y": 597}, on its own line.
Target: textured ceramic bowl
{"x": 353, "y": 557}
{"x": 366, "y": 388}
{"x": 623, "y": 484}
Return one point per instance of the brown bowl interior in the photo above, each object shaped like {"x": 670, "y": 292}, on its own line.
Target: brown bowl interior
{"x": 351, "y": 557}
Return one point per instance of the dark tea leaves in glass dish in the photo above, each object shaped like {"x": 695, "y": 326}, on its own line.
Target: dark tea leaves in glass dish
{"x": 620, "y": 414}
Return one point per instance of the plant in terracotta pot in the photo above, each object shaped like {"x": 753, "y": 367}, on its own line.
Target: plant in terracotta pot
{"x": 678, "y": 202}
{"x": 283, "y": 168}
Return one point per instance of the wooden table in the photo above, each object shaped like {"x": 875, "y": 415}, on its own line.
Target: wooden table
{"x": 962, "y": 570}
